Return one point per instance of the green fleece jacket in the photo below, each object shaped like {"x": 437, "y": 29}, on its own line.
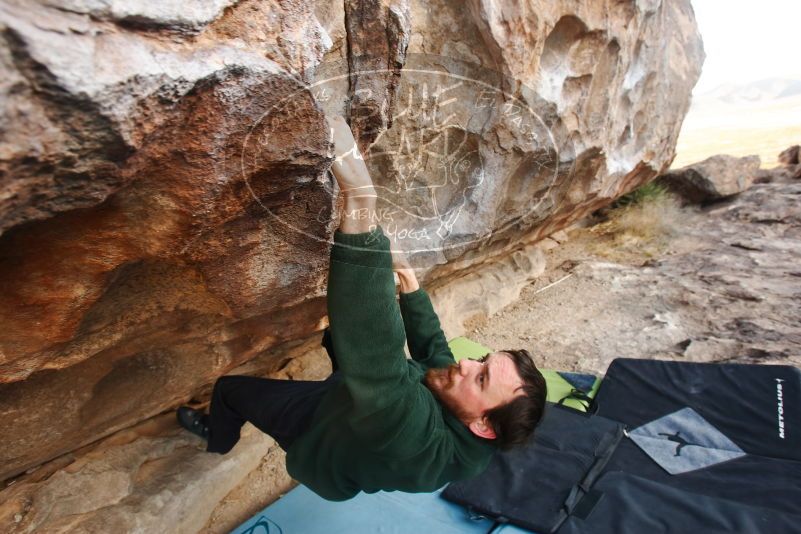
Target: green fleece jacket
{"x": 380, "y": 427}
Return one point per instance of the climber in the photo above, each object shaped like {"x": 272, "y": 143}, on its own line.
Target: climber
{"x": 379, "y": 421}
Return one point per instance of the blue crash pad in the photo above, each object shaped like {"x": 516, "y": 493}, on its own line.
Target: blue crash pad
{"x": 302, "y": 511}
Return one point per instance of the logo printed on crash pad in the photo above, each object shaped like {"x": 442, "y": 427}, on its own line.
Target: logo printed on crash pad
{"x": 780, "y": 405}
{"x": 684, "y": 441}
{"x": 262, "y": 526}
{"x": 677, "y": 438}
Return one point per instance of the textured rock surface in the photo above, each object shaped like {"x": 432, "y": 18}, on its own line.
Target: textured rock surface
{"x": 151, "y": 478}
{"x": 131, "y": 303}
{"x": 789, "y": 156}
{"x": 790, "y": 159}
{"x": 712, "y": 179}
{"x": 482, "y": 292}
{"x": 163, "y": 224}
{"x": 725, "y": 287}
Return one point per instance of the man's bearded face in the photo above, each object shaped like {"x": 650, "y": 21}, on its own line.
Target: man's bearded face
{"x": 472, "y": 387}
{"x": 441, "y": 383}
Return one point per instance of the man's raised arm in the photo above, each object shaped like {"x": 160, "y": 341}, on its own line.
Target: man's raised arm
{"x": 424, "y": 335}
{"x": 366, "y": 328}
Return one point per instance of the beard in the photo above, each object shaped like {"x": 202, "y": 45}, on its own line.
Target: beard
{"x": 440, "y": 381}
{"x": 440, "y": 378}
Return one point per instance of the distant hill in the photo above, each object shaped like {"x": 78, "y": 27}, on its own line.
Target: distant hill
{"x": 758, "y": 91}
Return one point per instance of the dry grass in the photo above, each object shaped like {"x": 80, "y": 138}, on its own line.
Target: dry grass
{"x": 642, "y": 226}
{"x": 651, "y": 219}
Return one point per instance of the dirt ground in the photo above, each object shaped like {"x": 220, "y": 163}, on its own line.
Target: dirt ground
{"x": 715, "y": 283}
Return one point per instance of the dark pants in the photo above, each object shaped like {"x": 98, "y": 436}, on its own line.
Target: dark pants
{"x": 281, "y": 408}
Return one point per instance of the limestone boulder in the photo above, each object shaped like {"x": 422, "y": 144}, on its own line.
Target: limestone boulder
{"x": 166, "y": 210}
{"x": 138, "y": 262}
{"x": 714, "y": 178}
{"x": 151, "y": 478}
{"x": 790, "y": 159}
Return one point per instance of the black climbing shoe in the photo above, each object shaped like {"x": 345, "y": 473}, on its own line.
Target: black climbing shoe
{"x": 194, "y": 421}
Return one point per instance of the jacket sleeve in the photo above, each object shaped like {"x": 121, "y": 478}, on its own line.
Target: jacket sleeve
{"x": 426, "y": 340}
{"x": 367, "y": 331}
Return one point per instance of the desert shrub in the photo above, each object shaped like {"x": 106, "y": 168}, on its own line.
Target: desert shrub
{"x": 649, "y": 213}
{"x": 648, "y": 218}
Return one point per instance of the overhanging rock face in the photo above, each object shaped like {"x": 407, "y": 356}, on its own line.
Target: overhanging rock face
{"x": 164, "y": 204}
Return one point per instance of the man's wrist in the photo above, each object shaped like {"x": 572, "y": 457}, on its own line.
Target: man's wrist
{"x": 408, "y": 285}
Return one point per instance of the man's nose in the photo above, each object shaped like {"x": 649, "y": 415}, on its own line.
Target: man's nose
{"x": 464, "y": 366}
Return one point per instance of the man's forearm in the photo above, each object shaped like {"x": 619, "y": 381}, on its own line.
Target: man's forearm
{"x": 353, "y": 178}
{"x": 424, "y": 335}
{"x": 357, "y": 215}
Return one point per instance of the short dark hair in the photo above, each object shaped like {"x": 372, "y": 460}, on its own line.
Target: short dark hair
{"x": 515, "y": 421}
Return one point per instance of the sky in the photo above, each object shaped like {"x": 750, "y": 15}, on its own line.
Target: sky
{"x": 748, "y": 40}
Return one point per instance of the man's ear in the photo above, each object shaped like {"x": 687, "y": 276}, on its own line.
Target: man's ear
{"x": 482, "y": 429}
